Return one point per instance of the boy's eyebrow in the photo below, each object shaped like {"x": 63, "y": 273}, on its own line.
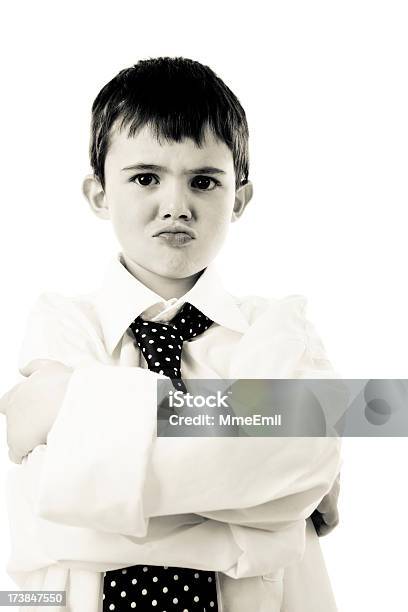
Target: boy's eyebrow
{"x": 206, "y": 170}
{"x": 202, "y": 170}
{"x": 144, "y": 167}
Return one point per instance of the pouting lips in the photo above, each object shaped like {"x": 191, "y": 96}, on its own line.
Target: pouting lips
{"x": 176, "y": 239}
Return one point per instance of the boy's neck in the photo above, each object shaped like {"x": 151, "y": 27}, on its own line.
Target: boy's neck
{"x": 167, "y": 288}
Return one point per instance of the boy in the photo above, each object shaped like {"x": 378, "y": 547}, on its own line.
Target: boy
{"x": 169, "y": 151}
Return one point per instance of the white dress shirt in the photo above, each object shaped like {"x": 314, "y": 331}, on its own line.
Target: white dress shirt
{"x": 106, "y": 493}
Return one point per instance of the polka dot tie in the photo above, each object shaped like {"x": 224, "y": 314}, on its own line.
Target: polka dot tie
{"x": 162, "y": 343}
{"x": 150, "y": 588}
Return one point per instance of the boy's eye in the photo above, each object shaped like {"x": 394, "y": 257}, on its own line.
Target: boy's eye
{"x": 145, "y": 180}
{"x": 205, "y": 183}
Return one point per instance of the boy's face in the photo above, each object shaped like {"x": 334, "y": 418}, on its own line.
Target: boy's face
{"x": 153, "y": 186}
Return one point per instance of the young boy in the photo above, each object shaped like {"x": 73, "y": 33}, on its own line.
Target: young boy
{"x": 165, "y": 524}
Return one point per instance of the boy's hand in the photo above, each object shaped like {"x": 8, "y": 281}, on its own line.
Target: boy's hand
{"x": 326, "y": 516}
{"x": 31, "y": 407}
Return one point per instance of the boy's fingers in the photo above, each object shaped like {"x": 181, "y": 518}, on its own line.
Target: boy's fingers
{"x": 328, "y": 505}
{"x": 330, "y": 515}
{"x": 325, "y": 529}
{"x": 3, "y": 406}
{"x": 9, "y": 397}
{"x": 16, "y": 451}
{"x": 331, "y": 518}
{"x": 5, "y": 400}
{"x": 326, "y": 515}
{"x": 15, "y": 458}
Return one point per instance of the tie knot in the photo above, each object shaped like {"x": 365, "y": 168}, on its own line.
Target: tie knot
{"x": 190, "y": 321}
{"x": 162, "y": 343}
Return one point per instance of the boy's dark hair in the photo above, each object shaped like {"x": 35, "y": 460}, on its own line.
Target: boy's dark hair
{"x": 177, "y": 97}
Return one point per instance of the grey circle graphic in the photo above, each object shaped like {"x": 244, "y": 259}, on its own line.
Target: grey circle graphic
{"x": 377, "y": 412}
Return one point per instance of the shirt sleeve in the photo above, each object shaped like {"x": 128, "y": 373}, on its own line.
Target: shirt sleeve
{"x": 59, "y": 329}
{"x": 183, "y": 540}
{"x": 107, "y": 466}
{"x": 117, "y": 475}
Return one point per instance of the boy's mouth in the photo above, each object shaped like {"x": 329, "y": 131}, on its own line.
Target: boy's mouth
{"x": 176, "y": 234}
{"x": 175, "y": 238}
{"x": 176, "y": 228}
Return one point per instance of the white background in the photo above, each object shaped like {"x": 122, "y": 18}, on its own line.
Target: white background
{"x": 325, "y": 88}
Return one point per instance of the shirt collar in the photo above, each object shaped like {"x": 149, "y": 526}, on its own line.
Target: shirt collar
{"x": 122, "y": 298}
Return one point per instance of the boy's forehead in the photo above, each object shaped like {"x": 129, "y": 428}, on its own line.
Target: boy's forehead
{"x": 144, "y": 147}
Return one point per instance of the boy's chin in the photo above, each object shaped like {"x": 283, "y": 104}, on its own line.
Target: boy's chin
{"x": 171, "y": 268}
{"x": 177, "y": 271}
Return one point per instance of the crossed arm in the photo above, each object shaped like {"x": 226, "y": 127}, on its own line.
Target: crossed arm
{"x": 259, "y": 483}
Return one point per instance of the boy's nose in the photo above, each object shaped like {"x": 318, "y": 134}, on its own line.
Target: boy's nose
{"x": 175, "y": 203}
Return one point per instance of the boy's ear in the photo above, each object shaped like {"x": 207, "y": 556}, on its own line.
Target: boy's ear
{"x": 95, "y": 194}
{"x": 242, "y": 196}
